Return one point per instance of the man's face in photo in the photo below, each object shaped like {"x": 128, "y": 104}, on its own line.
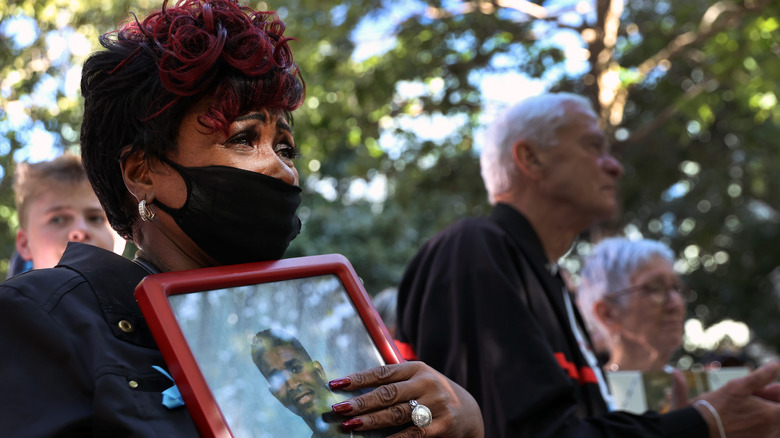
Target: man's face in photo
{"x": 296, "y": 381}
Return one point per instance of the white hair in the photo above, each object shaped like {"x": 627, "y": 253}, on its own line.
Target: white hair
{"x": 609, "y": 267}
{"x": 536, "y": 119}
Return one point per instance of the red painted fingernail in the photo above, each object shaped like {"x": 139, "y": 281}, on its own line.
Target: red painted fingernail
{"x": 342, "y": 408}
{"x": 339, "y": 383}
{"x": 352, "y": 424}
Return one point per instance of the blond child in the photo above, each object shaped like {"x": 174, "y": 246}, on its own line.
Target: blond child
{"x": 56, "y": 205}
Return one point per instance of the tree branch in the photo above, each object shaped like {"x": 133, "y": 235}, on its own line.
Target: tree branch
{"x": 708, "y": 26}
{"x": 665, "y": 115}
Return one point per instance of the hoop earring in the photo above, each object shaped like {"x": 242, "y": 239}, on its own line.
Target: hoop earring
{"x": 145, "y": 212}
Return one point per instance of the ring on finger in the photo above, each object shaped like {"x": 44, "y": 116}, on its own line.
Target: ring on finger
{"x": 421, "y": 415}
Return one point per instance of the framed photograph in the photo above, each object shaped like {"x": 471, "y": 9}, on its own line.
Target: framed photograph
{"x": 252, "y": 347}
{"x": 637, "y": 392}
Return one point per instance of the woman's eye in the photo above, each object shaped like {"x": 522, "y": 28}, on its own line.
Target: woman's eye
{"x": 287, "y": 151}
{"x": 241, "y": 139}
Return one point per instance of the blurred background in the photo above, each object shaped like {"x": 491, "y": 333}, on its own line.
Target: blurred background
{"x": 398, "y": 92}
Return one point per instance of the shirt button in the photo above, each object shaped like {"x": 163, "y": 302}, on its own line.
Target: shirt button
{"x": 133, "y": 384}
{"x": 125, "y": 326}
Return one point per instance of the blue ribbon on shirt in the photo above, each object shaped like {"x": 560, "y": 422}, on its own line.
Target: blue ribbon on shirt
{"x": 171, "y": 396}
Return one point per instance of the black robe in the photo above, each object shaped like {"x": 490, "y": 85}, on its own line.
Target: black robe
{"x": 480, "y": 304}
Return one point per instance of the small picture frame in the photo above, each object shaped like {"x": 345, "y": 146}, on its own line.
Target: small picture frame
{"x": 638, "y": 392}
{"x": 250, "y": 346}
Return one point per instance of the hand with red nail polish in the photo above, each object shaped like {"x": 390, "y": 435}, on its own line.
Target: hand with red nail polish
{"x": 352, "y": 424}
{"x": 342, "y": 408}
{"x": 339, "y": 383}
{"x": 455, "y": 412}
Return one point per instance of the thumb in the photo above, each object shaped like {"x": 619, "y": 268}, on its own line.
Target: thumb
{"x": 770, "y": 392}
{"x": 761, "y": 377}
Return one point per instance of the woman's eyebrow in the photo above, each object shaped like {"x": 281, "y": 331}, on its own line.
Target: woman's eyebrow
{"x": 255, "y": 116}
{"x": 281, "y": 124}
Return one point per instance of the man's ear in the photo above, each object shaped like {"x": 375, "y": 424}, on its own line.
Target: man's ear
{"x": 607, "y": 314}
{"x": 136, "y": 173}
{"x": 320, "y": 371}
{"x": 23, "y": 244}
{"x": 526, "y": 158}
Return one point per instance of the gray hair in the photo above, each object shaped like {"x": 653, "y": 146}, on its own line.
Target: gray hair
{"x": 608, "y": 268}
{"x": 536, "y": 119}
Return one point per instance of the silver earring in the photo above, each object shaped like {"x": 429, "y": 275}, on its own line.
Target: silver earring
{"x": 145, "y": 212}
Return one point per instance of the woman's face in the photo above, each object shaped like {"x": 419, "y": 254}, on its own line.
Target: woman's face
{"x": 654, "y": 314}
{"x": 259, "y": 141}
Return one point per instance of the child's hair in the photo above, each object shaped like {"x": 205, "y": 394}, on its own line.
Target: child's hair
{"x": 33, "y": 179}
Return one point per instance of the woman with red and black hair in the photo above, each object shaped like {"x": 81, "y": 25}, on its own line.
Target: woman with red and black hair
{"x": 187, "y": 140}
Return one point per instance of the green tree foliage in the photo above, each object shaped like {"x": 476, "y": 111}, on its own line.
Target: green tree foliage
{"x": 700, "y": 158}
{"x": 42, "y": 48}
{"x": 686, "y": 89}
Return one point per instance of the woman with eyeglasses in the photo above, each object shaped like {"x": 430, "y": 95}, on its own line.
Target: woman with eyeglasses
{"x": 630, "y": 294}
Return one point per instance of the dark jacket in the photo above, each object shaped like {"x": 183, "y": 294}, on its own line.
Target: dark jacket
{"x": 479, "y": 303}
{"x": 78, "y": 354}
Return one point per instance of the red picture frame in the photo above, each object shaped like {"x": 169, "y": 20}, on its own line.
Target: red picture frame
{"x": 156, "y": 293}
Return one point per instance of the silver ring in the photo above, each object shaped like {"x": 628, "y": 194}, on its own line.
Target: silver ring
{"x": 421, "y": 415}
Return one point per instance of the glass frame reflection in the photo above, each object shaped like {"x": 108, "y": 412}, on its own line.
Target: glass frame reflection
{"x": 206, "y": 320}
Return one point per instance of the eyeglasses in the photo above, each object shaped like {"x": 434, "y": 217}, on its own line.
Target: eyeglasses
{"x": 657, "y": 292}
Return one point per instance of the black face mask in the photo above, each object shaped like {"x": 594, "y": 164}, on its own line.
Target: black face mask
{"x": 237, "y": 216}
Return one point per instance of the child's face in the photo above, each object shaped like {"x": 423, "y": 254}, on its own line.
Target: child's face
{"x": 61, "y": 215}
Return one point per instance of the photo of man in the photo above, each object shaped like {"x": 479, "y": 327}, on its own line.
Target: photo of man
{"x": 296, "y": 380}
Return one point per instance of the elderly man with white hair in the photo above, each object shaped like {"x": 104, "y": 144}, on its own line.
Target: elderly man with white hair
{"x": 483, "y": 301}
